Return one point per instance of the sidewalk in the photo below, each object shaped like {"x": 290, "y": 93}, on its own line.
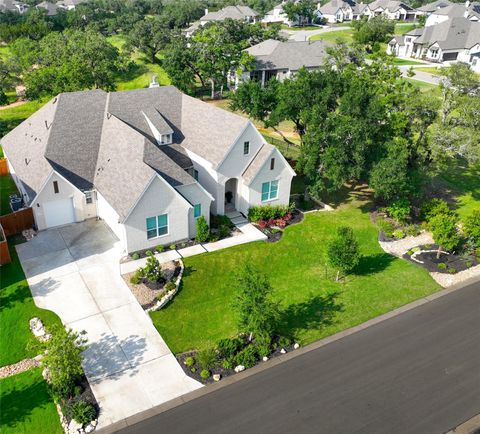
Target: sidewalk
{"x": 249, "y": 233}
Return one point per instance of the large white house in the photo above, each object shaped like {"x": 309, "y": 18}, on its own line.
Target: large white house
{"x": 467, "y": 10}
{"x": 338, "y": 11}
{"x": 454, "y": 40}
{"x": 278, "y": 15}
{"x": 148, "y": 162}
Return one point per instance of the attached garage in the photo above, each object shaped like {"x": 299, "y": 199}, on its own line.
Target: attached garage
{"x": 59, "y": 212}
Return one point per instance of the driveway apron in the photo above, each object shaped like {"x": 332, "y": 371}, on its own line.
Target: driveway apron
{"x": 74, "y": 271}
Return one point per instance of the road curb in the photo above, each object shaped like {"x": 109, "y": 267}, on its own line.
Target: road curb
{"x": 154, "y": 411}
{"x": 471, "y": 426}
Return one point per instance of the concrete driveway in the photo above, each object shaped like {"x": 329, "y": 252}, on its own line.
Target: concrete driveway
{"x": 305, "y": 35}
{"x": 74, "y": 271}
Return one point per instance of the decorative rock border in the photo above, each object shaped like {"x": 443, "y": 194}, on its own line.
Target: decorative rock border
{"x": 38, "y": 329}
{"x": 19, "y": 367}
{"x": 170, "y": 294}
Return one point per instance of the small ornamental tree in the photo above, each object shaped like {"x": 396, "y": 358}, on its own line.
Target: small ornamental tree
{"x": 256, "y": 312}
{"x": 342, "y": 251}
{"x": 63, "y": 359}
{"x": 471, "y": 227}
{"x": 203, "y": 230}
{"x": 444, "y": 231}
{"x": 152, "y": 270}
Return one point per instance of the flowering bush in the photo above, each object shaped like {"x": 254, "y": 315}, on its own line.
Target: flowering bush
{"x": 262, "y": 224}
{"x": 280, "y": 223}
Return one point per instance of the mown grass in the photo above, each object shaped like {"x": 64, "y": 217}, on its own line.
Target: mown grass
{"x": 313, "y": 305}
{"x": 345, "y": 35}
{"x": 7, "y": 187}
{"x": 397, "y": 61}
{"x": 16, "y": 309}
{"x": 26, "y": 405}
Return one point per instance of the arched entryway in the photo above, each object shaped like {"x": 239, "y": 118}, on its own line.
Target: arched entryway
{"x": 230, "y": 195}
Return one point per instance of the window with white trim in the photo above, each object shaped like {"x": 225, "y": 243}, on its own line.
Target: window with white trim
{"x": 197, "y": 210}
{"x": 157, "y": 226}
{"x": 269, "y": 190}
{"x": 88, "y": 197}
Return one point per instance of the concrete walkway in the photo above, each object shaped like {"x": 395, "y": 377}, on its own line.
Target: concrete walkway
{"x": 249, "y": 233}
{"x": 73, "y": 271}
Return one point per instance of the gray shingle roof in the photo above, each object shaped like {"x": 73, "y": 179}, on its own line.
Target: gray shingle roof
{"x": 454, "y": 33}
{"x": 391, "y": 5}
{"x": 51, "y": 8}
{"x": 100, "y": 139}
{"x": 258, "y": 161}
{"x": 9, "y": 5}
{"x": 432, "y": 7}
{"x": 459, "y": 10}
{"x": 331, "y": 7}
{"x": 292, "y": 55}
{"x": 232, "y": 12}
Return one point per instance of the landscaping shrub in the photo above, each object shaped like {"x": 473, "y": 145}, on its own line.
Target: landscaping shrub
{"x": 63, "y": 359}
{"x": 281, "y": 223}
{"x": 442, "y": 266}
{"x": 432, "y": 208}
{"x": 172, "y": 246}
{"x": 189, "y": 361}
{"x": 283, "y": 341}
{"x": 471, "y": 227}
{"x": 411, "y": 230}
{"x": 220, "y": 220}
{"x": 159, "y": 249}
{"x": 386, "y": 227}
{"x": 205, "y": 373}
{"x": 267, "y": 212}
{"x": 135, "y": 256}
{"x": 81, "y": 411}
{"x": 203, "y": 231}
{"x": 148, "y": 253}
{"x": 228, "y": 364}
{"x": 207, "y": 358}
{"x": 399, "y": 210}
{"x": 137, "y": 277}
{"x": 193, "y": 369}
{"x": 452, "y": 270}
{"x": 398, "y": 234}
{"x": 227, "y": 348}
{"x": 263, "y": 345}
{"x": 224, "y": 231}
{"x": 262, "y": 224}
{"x": 469, "y": 264}
{"x": 247, "y": 357}
{"x": 213, "y": 238}
{"x": 152, "y": 270}
{"x": 170, "y": 285}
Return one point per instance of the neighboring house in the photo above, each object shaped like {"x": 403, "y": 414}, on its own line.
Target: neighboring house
{"x": 393, "y": 10}
{"x": 277, "y": 15}
{"x": 468, "y": 10}
{"x": 338, "y": 11}
{"x": 50, "y": 8}
{"x": 242, "y": 13}
{"x": 430, "y": 8}
{"x": 454, "y": 40}
{"x": 70, "y": 4}
{"x": 281, "y": 60}
{"x": 148, "y": 162}
{"x": 13, "y": 6}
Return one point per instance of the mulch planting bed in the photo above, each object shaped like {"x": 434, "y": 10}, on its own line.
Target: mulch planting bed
{"x": 219, "y": 369}
{"x": 274, "y": 233}
{"x": 86, "y": 394}
{"x": 147, "y": 293}
{"x": 427, "y": 258}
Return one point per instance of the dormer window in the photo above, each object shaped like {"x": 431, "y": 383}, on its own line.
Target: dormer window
{"x": 166, "y": 139}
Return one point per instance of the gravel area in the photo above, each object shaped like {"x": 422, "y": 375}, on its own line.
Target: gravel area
{"x": 447, "y": 280}
{"x": 17, "y": 368}
{"x": 145, "y": 294}
{"x": 398, "y": 248}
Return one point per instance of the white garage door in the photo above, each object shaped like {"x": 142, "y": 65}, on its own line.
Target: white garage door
{"x": 59, "y": 212}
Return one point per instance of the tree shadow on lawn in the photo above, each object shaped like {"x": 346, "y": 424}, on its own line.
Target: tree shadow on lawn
{"x": 373, "y": 264}
{"x": 19, "y": 402}
{"x": 318, "y": 311}
{"x": 133, "y": 71}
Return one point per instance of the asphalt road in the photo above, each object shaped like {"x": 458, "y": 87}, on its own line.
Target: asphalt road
{"x": 416, "y": 373}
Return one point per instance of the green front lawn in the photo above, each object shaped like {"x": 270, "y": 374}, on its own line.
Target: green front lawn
{"x": 345, "y": 35}
{"x": 26, "y": 405}
{"x": 313, "y": 305}
{"x": 401, "y": 29}
{"x": 16, "y": 310}
{"x": 461, "y": 182}
{"x": 7, "y": 187}
{"x": 397, "y": 61}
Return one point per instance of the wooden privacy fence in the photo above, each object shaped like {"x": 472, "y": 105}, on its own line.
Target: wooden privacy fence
{"x": 4, "y": 253}
{"x": 16, "y": 222}
{"x": 3, "y": 167}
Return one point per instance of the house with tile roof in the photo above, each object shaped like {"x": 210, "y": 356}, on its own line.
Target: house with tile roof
{"x": 282, "y": 59}
{"x": 454, "y": 40}
{"x": 148, "y": 162}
